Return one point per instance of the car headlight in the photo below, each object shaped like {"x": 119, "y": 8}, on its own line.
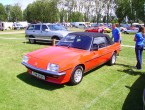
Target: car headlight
{"x": 53, "y": 67}
{"x": 25, "y": 59}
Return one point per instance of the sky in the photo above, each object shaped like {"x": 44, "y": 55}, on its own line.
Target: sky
{"x": 22, "y": 3}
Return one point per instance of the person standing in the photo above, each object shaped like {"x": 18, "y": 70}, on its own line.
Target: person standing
{"x": 116, "y": 35}
{"x": 139, "y": 45}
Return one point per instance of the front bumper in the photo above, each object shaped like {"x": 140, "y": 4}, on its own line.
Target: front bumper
{"x": 46, "y": 72}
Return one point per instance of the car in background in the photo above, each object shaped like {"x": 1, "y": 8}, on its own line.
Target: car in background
{"x": 45, "y": 31}
{"x": 121, "y": 29}
{"x": 72, "y": 57}
{"x": 95, "y": 29}
{"x": 107, "y": 30}
{"x": 130, "y": 30}
{"x": 17, "y": 26}
{"x": 94, "y": 25}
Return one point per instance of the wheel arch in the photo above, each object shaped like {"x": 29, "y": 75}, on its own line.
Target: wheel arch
{"x": 55, "y": 36}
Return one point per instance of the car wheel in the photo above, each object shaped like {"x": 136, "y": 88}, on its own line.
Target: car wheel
{"x": 56, "y": 38}
{"x": 76, "y": 76}
{"x": 32, "y": 40}
{"x": 113, "y": 59}
{"x": 125, "y": 32}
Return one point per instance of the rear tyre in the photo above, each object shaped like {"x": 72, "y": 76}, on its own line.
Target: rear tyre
{"x": 77, "y": 75}
{"x": 125, "y": 32}
{"x": 113, "y": 59}
{"x": 56, "y": 38}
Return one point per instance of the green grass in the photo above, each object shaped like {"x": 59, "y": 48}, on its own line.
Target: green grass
{"x": 117, "y": 87}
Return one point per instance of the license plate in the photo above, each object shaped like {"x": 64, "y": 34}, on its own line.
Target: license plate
{"x": 38, "y": 75}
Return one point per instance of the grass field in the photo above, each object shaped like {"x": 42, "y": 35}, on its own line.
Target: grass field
{"x": 117, "y": 87}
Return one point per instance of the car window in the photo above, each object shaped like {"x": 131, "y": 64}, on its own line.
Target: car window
{"x": 31, "y": 27}
{"x": 76, "y": 41}
{"x": 44, "y": 27}
{"x": 56, "y": 27}
{"x": 37, "y": 27}
{"x": 100, "y": 41}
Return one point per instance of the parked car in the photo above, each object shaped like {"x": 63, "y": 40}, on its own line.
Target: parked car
{"x": 121, "y": 29}
{"x": 74, "y": 55}
{"x": 144, "y": 99}
{"x": 80, "y": 25}
{"x": 107, "y": 30}
{"x": 95, "y": 29}
{"x": 131, "y": 30}
{"x": 17, "y": 26}
{"x": 94, "y": 25}
{"x": 44, "y": 31}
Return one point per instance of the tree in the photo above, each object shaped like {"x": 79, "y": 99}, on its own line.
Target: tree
{"x": 76, "y": 17}
{"x": 42, "y": 10}
{"x": 8, "y": 8}
{"x": 134, "y": 9}
{"x": 16, "y": 13}
{"x": 3, "y": 14}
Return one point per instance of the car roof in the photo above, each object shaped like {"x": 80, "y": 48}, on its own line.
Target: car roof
{"x": 90, "y": 34}
{"x": 93, "y": 35}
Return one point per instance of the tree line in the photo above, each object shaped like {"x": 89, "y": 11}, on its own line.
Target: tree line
{"x": 75, "y": 10}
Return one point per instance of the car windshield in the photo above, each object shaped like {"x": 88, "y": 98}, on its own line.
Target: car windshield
{"x": 56, "y": 27}
{"x": 76, "y": 41}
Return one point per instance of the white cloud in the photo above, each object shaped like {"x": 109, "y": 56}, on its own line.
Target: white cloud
{"x": 24, "y": 3}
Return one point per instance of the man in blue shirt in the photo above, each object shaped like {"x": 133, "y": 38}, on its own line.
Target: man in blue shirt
{"x": 116, "y": 34}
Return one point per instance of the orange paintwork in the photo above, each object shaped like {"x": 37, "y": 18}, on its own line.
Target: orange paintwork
{"x": 68, "y": 58}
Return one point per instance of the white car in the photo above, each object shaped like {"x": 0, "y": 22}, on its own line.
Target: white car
{"x": 44, "y": 31}
{"x": 129, "y": 31}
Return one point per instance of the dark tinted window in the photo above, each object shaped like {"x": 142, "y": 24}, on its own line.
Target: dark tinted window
{"x": 44, "y": 27}
{"x": 37, "y": 27}
{"x": 76, "y": 41}
{"x": 31, "y": 27}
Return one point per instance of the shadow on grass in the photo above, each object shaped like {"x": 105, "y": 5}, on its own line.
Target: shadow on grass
{"x": 134, "y": 99}
{"x": 130, "y": 70}
{"x": 40, "y": 43}
{"x": 27, "y": 78}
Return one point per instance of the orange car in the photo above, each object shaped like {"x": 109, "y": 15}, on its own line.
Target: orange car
{"x": 72, "y": 57}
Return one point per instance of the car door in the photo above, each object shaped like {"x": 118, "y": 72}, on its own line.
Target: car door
{"x": 29, "y": 30}
{"x": 45, "y": 32}
{"x": 99, "y": 55}
{"x": 37, "y": 31}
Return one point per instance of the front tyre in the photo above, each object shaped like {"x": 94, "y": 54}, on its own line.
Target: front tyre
{"x": 77, "y": 75}
{"x": 32, "y": 40}
{"x": 113, "y": 59}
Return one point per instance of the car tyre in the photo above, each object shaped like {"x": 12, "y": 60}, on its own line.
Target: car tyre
{"x": 32, "y": 41}
{"x": 77, "y": 75}
{"x": 125, "y": 32}
{"x": 113, "y": 59}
